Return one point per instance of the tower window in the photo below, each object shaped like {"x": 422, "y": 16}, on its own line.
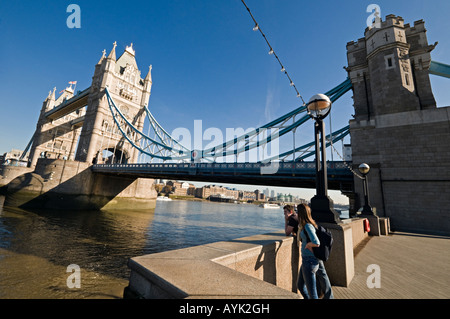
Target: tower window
{"x": 407, "y": 79}
{"x": 57, "y": 145}
{"x": 389, "y": 61}
{"x": 124, "y": 110}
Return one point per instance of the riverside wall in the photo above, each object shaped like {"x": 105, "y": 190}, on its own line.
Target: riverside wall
{"x": 260, "y": 266}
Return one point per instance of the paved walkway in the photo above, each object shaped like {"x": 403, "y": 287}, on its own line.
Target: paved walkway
{"x": 411, "y": 266}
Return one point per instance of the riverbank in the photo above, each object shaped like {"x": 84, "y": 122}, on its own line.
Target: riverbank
{"x": 342, "y": 209}
{"x": 257, "y": 203}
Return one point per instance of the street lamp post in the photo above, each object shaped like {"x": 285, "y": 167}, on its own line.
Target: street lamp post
{"x": 322, "y": 207}
{"x": 364, "y": 170}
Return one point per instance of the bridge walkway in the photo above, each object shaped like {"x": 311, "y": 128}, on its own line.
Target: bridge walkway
{"x": 412, "y": 266}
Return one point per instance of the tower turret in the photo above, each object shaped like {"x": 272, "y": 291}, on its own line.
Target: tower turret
{"x": 49, "y": 102}
{"x": 389, "y": 69}
{"x": 123, "y": 79}
{"x": 147, "y": 87}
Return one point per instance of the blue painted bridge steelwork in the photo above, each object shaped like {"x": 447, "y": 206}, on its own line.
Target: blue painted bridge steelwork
{"x": 287, "y": 174}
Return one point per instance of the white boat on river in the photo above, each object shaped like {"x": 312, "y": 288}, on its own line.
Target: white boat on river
{"x": 270, "y": 206}
{"x": 163, "y": 198}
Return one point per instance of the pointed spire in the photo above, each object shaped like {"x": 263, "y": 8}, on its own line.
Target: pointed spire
{"x": 103, "y": 56}
{"x": 112, "y": 54}
{"x": 148, "y": 78}
{"x": 49, "y": 102}
{"x": 53, "y": 97}
{"x": 147, "y": 87}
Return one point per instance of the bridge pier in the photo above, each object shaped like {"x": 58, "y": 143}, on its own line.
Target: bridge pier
{"x": 59, "y": 184}
{"x": 8, "y": 173}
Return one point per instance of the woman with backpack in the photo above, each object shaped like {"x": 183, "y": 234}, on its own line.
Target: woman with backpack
{"x": 312, "y": 272}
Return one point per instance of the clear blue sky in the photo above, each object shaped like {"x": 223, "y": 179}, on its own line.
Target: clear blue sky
{"x": 207, "y": 62}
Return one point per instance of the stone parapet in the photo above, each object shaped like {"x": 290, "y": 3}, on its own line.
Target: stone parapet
{"x": 260, "y": 266}
{"x": 250, "y": 267}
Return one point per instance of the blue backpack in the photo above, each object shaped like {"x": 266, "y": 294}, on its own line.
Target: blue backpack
{"x": 326, "y": 243}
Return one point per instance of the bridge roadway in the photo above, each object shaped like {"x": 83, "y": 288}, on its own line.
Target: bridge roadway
{"x": 287, "y": 174}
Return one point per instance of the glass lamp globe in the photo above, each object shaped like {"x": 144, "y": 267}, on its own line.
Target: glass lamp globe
{"x": 364, "y": 168}
{"x": 319, "y": 106}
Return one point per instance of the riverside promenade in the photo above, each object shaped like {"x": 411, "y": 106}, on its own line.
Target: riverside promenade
{"x": 412, "y": 266}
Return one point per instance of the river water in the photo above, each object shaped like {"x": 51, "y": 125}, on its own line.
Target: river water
{"x": 36, "y": 247}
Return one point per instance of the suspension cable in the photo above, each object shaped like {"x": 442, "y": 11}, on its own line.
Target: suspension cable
{"x": 272, "y": 52}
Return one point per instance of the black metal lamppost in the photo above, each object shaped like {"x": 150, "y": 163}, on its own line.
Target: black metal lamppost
{"x": 322, "y": 208}
{"x": 364, "y": 170}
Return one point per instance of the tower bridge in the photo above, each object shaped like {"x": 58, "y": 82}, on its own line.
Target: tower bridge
{"x": 91, "y": 139}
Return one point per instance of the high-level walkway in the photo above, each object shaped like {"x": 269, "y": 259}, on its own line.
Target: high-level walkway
{"x": 412, "y": 266}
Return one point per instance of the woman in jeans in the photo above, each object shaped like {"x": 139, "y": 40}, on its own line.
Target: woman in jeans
{"x": 311, "y": 267}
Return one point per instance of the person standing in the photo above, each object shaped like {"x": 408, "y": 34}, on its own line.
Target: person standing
{"x": 312, "y": 272}
{"x": 290, "y": 221}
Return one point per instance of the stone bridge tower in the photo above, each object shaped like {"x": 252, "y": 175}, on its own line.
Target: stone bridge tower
{"x": 397, "y": 128}
{"x": 89, "y": 134}
{"x": 100, "y": 140}
{"x": 77, "y": 130}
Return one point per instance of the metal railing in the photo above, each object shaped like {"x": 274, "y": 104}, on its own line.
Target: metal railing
{"x": 227, "y": 166}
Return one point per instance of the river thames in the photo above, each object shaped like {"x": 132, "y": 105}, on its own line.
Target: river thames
{"x": 36, "y": 247}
